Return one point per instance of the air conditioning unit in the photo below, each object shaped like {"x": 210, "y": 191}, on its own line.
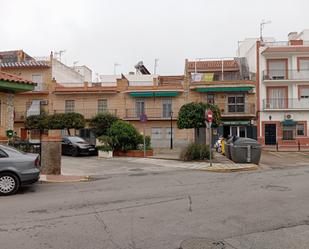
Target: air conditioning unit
{"x": 44, "y": 102}
{"x": 288, "y": 116}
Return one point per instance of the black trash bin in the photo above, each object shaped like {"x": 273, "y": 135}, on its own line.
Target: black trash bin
{"x": 246, "y": 150}
{"x": 227, "y": 147}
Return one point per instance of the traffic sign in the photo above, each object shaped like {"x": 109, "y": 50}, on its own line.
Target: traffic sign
{"x": 209, "y": 115}
{"x": 143, "y": 118}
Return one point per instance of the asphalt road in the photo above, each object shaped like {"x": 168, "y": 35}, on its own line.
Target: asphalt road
{"x": 141, "y": 208}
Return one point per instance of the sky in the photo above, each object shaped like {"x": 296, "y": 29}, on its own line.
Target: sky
{"x": 100, "y": 33}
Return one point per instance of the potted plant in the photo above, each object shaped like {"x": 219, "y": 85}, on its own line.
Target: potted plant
{"x": 105, "y": 151}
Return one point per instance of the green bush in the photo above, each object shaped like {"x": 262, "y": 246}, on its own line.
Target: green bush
{"x": 147, "y": 142}
{"x": 123, "y": 136}
{"x": 101, "y": 123}
{"x": 195, "y": 152}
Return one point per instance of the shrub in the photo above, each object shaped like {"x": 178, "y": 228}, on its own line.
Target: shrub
{"x": 147, "y": 142}
{"x": 37, "y": 122}
{"x": 101, "y": 123}
{"x": 195, "y": 152}
{"x": 123, "y": 136}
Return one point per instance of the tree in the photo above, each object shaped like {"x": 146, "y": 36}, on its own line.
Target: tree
{"x": 37, "y": 122}
{"x": 56, "y": 121}
{"x": 123, "y": 136}
{"x": 192, "y": 115}
{"x": 73, "y": 120}
{"x": 101, "y": 123}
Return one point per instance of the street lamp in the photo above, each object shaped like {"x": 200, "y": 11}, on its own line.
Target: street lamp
{"x": 171, "y": 141}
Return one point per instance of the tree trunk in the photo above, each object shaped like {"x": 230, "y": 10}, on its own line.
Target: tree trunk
{"x": 69, "y": 133}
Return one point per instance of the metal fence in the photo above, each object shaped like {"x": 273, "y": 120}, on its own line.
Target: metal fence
{"x": 26, "y": 146}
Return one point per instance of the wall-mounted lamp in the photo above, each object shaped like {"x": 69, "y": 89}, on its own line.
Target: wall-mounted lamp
{"x": 269, "y": 117}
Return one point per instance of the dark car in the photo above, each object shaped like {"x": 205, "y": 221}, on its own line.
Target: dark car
{"x": 75, "y": 146}
{"x": 16, "y": 169}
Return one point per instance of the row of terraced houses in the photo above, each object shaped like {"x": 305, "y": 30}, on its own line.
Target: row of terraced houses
{"x": 263, "y": 93}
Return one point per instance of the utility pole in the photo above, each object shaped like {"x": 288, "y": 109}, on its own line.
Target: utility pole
{"x": 171, "y": 142}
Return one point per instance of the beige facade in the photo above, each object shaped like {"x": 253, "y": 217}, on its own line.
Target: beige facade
{"x": 159, "y": 97}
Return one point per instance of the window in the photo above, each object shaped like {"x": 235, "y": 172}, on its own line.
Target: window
{"x": 303, "y": 64}
{"x": 288, "y": 133}
{"x": 168, "y": 133}
{"x": 166, "y": 108}
{"x": 210, "y": 98}
{"x": 239, "y": 131}
{"x": 102, "y": 105}
{"x": 3, "y": 154}
{"x": 304, "y": 92}
{"x": 156, "y": 133}
{"x": 69, "y": 106}
{"x": 277, "y": 69}
{"x": 277, "y": 98}
{"x": 300, "y": 129}
{"x": 139, "y": 107}
{"x": 236, "y": 103}
{"x": 37, "y": 78}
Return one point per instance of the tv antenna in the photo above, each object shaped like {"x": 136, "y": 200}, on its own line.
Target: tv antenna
{"x": 262, "y": 24}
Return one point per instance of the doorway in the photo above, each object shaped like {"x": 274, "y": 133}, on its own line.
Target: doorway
{"x": 270, "y": 134}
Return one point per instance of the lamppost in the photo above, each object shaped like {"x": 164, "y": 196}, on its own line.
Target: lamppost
{"x": 171, "y": 142}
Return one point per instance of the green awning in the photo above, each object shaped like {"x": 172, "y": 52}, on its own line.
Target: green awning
{"x": 15, "y": 87}
{"x": 224, "y": 89}
{"x": 154, "y": 94}
{"x": 236, "y": 122}
{"x": 289, "y": 122}
{"x": 141, "y": 94}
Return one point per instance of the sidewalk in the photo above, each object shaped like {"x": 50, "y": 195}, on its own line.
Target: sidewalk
{"x": 220, "y": 163}
{"x": 63, "y": 178}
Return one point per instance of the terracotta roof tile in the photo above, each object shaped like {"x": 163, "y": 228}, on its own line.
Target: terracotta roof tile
{"x": 24, "y": 64}
{"x": 228, "y": 65}
{"x": 14, "y": 78}
{"x": 291, "y": 49}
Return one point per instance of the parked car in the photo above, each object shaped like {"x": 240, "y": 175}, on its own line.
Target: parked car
{"x": 75, "y": 146}
{"x": 17, "y": 168}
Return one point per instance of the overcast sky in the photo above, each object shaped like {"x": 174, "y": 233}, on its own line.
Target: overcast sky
{"x": 98, "y": 33}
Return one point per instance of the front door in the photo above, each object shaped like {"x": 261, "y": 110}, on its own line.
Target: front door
{"x": 270, "y": 134}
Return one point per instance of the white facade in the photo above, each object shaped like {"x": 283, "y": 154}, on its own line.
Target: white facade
{"x": 65, "y": 74}
{"x": 284, "y": 83}
{"x": 85, "y": 72}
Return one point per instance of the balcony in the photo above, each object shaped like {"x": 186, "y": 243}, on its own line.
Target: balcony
{"x": 152, "y": 114}
{"x": 286, "y": 74}
{"x": 88, "y": 113}
{"x": 237, "y": 110}
{"x": 286, "y": 104}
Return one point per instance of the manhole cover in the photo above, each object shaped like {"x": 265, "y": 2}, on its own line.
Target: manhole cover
{"x": 202, "y": 244}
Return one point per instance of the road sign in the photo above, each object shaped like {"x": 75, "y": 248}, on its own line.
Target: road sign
{"x": 143, "y": 118}
{"x": 209, "y": 115}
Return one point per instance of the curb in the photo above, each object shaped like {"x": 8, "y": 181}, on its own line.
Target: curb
{"x": 226, "y": 170}
{"x": 44, "y": 179}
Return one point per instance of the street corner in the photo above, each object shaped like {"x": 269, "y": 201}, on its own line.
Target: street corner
{"x": 228, "y": 168}
{"x": 63, "y": 178}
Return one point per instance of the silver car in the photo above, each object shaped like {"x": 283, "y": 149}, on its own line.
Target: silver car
{"x": 16, "y": 169}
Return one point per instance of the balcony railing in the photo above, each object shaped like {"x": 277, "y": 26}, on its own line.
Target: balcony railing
{"x": 285, "y": 103}
{"x": 233, "y": 109}
{"x": 286, "y": 74}
{"x": 89, "y": 113}
{"x": 152, "y": 113}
